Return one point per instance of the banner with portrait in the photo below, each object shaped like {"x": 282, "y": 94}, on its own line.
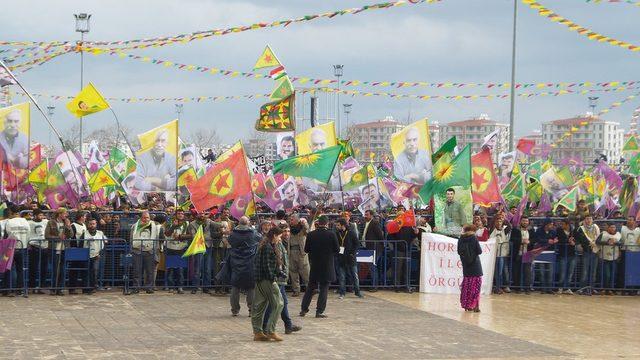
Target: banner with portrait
{"x": 14, "y": 135}
{"x": 157, "y": 159}
{"x": 411, "y": 149}
{"x": 317, "y": 138}
{"x": 285, "y": 145}
{"x": 450, "y": 218}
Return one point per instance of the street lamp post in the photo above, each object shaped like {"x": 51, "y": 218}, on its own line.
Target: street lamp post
{"x": 593, "y": 103}
{"x": 83, "y": 27}
{"x": 513, "y": 77}
{"x": 337, "y": 72}
{"x": 179, "y": 110}
{"x": 50, "y": 109}
{"x": 347, "y": 111}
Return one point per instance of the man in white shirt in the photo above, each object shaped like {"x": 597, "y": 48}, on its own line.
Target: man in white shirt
{"x": 94, "y": 240}
{"x": 16, "y": 227}
{"x": 38, "y": 250}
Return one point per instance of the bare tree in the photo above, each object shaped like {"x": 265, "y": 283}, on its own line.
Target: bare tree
{"x": 203, "y": 138}
{"x": 109, "y": 137}
{"x": 71, "y": 137}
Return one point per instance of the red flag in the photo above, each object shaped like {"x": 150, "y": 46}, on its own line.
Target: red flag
{"x": 484, "y": 184}
{"x": 406, "y": 218}
{"x": 35, "y": 156}
{"x": 526, "y": 146}
{"x": 222, "y": 182}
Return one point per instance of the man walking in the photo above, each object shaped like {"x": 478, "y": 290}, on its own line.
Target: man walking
{"x": 299, "y": 262}
{"x": 243, "y": 241}
{"x": 347, "y": 265}
{"x": 322, "y": 246}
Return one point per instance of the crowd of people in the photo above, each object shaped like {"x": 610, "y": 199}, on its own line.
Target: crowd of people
{"x": 308, "y": 250}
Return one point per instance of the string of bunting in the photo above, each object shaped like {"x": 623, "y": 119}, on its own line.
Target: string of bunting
{"x": 198, "y": 99}
{"x": 590, "y": 34}
{"x": 27, "y": 65}
{"x": 199, "y": 35}
{"x": 396, "y": 84}
{"x": 574, "y": 129}
{"x": 631, "y": 2}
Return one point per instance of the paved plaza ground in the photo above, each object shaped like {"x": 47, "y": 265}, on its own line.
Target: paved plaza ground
{"x": 383, "y": 325}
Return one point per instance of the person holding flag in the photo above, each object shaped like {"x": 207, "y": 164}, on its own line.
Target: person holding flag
{"x": 178, "y": 238}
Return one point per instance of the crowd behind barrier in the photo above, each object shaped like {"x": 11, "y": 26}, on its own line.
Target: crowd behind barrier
{"x": 118, "y": 261}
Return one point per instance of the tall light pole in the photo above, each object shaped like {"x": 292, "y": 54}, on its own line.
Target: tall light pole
{"x": 513, "y": 77}
{"x": 50, "y": 109}
{"x": 593, "y": 103}
{"x": 347, "y": 111}
{"x": 179, "y": 110}
{"x": 83, "y": 27}
{"x": 6, "y": 92}
{"x": 337, "y": 72}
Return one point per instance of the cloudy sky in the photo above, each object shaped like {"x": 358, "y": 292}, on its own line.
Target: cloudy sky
{"x": 451, "y": 41}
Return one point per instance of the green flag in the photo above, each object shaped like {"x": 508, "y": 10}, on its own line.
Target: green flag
{"x": 116, "y": 156}
{"x": 55, "y": 178}
{"x": 534, "y": 190}
{"x": 568, "y": 201}
{"x": 359, "y": 178}
{"x": 316, "y": 165}
{"x": 347, "y": 149}
{"x": 283, "y": 89}
{"x": 515, "y": 190}
{"x": 448, "y": 172}
{"x": 447, "y": 147}
{"x": 535, "y": 170}
{"x": 631, "y": 144}
{"x": 565, "y": 175}
{"x": 634, "y": 165}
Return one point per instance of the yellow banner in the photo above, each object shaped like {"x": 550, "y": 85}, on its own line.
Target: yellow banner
{"x": 316, "y": 138}
{"x": 14, "y": 134}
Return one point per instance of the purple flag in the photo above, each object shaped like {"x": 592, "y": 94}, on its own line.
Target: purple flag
{"x": 515, "y": 221}
{"x": 545, "y": 203}
{"x": 7, "y": 249}
{"x": 611, "y": 176}
{"x": 349, "y": 163}
{"x": 530, "y": 255}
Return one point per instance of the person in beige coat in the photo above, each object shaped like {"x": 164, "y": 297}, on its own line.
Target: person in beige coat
{"x": 298, "y": 259}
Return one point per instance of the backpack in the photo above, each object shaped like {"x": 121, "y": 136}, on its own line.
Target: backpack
{"x": 467, "y": 253}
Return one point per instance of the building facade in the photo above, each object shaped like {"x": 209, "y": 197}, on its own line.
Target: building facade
{"x": 373, "y": 137}
{"x": 591, "y": 138}
{"x": 473, "y": 131}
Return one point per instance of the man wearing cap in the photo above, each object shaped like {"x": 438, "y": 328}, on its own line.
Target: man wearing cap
{"x": 14, "y": 143}
{"x": 298, "y": 260}
{"x": 322, "y": 246}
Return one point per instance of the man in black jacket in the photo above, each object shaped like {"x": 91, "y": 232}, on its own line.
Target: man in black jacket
{"x": 373, "y": 237}
{"x": 321, "y": 245}
{"x": 520, "y": 239}
{"x": 347, "y": 265}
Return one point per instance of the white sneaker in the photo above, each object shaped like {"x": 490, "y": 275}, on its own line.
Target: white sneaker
{"x": 568, "y": 292}
{"x": 341, "y": 297}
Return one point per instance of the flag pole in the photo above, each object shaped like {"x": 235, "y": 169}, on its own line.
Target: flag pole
{"x": 33, "y": 100}
{"x": 121, "y": 131}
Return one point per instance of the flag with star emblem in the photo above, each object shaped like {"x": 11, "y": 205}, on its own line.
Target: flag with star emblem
{"x": 267, "y": 59}
{"x": 243, "y": 206}
{"x": 277, "y": 116}
{"x": 514, "y": 190}
{"x": 631, "y": 144}
{"x": 448, "y": 172}
{"x": 484, "y": 184}
{"x": 283, "y": 89}
{"x": 222, "y": 182}
{"x": 568, "y": 201}
{"x": 197, "y": 245}
{"x": 535, "y": 170}
{"x": 101, "y": 179}
{"x": 316, "y": 165}
{"x": 38, "y": 175}
{"x": 35, "y": 156}
{"x": 347, "y": 149}
{"x": 187, "y": 177}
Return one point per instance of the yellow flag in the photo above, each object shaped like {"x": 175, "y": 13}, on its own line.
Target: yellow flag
{"x": 187, "y": 177}
{"x": 317, "y": 138}
{"x": 267, "y": 59}
{"x": 197, "y": 244}
{"x": 15, "y": 125}
{"x": 39, "y": 174}
{"x": 419, "y": 129}
{"x": 168, "y": 133}
{"x": 87, "y": 102}
{"x": 100, "y": 179}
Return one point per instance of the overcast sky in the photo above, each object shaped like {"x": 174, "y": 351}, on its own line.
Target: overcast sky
{"x": 451, "y": 41}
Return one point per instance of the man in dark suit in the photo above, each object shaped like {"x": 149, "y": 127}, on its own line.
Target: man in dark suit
{"x": 322, "y": 246}
{"x": 347, "y": 265}
{"x": 372, "y": 237}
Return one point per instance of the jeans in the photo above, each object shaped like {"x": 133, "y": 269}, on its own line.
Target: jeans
{"x": 94, "y": 272}
{"x": 502, "y": 271}
{"x": 379, "y": 270}
{"x": 321, "y": 305}
{"x": 566, "y": 275}
{"x": 207, "y": 259}
{"x": 545, "y": 271}
{"x": 284, "y": 315}
{"x": 196, "y": 265}
{"x": 350, "y": 271}
{"x": 38, "y": 264}
{"x": 609, "y": 269}
{"x": 589, "y": 268}
{"x": 234, "y": 299}
{"x": 13, "y": 279}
